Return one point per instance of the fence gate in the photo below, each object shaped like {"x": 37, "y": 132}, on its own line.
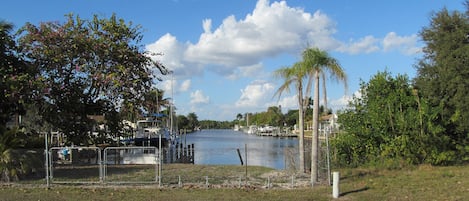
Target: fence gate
{"x": 131, "y": 165}
{"x": 75, "y": 165}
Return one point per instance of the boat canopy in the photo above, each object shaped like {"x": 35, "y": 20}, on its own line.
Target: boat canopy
{"x": 157, "y": 115}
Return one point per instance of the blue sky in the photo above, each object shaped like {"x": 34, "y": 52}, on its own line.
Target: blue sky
{"x": 223, "y": 53}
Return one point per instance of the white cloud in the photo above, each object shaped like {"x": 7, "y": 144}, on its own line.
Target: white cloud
{"x": 198, "y": 97}
{"x": 185, "y": 85}
{"x": 342, "y": 102}
{"x": 271, "y": 29}
{"x": 339, "y": 103}
{"x": 170, "y": 86}
{"x": 247, "y": 71}
{"x": 173, "y": 56}
{"x": 207, "y": 25}
{"x": 404, "y": 44}
{"x": 167, "y": 86}
{"x": 368, "y": 44}
{"x": 289, "y": 103}
{"x": 255, "y": 95}
{"x": 170, "y": 48}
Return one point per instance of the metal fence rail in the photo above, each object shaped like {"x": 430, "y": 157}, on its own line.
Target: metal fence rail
{"x": 117, "y": 159}
{"x": 90, "y": 165}
{"x": 64, "y": 160}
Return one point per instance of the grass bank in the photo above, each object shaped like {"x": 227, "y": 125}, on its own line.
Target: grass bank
{"x": 418, "y": 183}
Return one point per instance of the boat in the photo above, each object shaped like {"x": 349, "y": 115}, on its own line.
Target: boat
{"x": 149, "y": 131}
{"x": 267, "y": 129}
{"x": 252, "y": 129}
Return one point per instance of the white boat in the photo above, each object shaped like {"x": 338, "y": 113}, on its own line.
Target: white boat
{"x": 252, "y": 129}
{"x": 149, "y": 131}
{"x": 267, "y": 129}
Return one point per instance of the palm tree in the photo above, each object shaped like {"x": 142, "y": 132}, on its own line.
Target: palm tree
{"x": 239, "y": 116}
{"x": 14, "y": 160}
{"x": 154, "y": 101}
{"x": 318, "y": 62}
{"x": 295, "y": 75}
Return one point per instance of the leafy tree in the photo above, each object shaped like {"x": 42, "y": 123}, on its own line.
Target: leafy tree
{"x": 443, "y": 79}
{"x": 17, "y": 84}
{"x": 318, "y": 62}
{"x": 153, "y": 101}
{"x": 192, "y": 120}
{"x": 15, "y": 161}
{"x": 275, "y": 116}
{"x": 212, "y": 124}
{"x": 291, "y": 117}
{"x": 87, "y": 66}
{"x": 388, "y": 125}
{"x": 183, "y": 122}
{"x": 239, "y": 116}
{"x": 294, "y": 75}
{"x": 17, "y": 81}
{"x": 131, "y": 110}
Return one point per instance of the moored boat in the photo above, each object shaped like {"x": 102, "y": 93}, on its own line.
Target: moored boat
{"x": 149, "y": 131}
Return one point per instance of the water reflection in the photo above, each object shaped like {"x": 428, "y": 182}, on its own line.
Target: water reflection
{"x": 220, "y": 147}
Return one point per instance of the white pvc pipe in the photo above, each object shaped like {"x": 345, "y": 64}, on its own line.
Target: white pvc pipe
{"x": 335, "y": 184}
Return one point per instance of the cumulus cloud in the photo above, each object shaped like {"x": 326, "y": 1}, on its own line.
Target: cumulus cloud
{"x": 256, "y": 94}
{"x": 185, "y": 85}
{"x": 367, "y": 44}
{"x": 271, "y": 29}
{"x": 174, "y": 86}
{"x": 342, "y": 102}
{"x": 198, "y": 97}
{"x": 404, "y": 44}
{"x": 247, "y": 71}
{"x": 173, "y": 56}
{"x": 240, "y": 45}
{"x": 167, "y": 85}
{"x": 289, "y": 102}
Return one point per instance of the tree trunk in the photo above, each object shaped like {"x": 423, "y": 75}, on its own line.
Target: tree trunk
{"x": 301, "y": 148}
{"x": 324, "y": 93}
{"x": 315, "y": 139}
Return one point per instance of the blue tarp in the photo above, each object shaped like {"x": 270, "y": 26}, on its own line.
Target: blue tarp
{"x": 156, "y": 115}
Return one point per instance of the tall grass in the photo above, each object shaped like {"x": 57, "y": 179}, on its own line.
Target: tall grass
{"x": 413, "y": 183}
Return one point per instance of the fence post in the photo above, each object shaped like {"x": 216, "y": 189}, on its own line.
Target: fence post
{"x": 180, "y": 182}
{"x": 46, "y": 153}
{"x": 335, "y": 184}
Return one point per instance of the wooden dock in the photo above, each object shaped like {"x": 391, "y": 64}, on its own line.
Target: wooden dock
{"x": 181, "y": 154}
{"x": 279, "y": 134}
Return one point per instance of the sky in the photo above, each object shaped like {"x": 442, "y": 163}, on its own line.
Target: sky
{"x": 223, "y": 53}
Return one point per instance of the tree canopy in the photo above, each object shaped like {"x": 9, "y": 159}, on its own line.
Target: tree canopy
{"x": 87, "y": 67}
{"x": 387, "y": 124}
{"x": 443, "y": 77}
{"x": 395, "y": 122}
{"x": 17, "y": 82}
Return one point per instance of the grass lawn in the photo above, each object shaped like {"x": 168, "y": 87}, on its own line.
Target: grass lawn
{"x": 418, "y": 183}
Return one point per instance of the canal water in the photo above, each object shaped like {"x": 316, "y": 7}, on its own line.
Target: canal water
{"x": 219, "y": 147}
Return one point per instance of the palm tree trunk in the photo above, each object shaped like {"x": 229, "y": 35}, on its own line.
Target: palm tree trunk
{"x": 315, "y": 139}
{"x": 301, "y": 148}
{"x": 324, "y": 93}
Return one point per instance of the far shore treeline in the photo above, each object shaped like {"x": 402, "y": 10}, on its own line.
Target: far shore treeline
{"x": 58, "y": 76}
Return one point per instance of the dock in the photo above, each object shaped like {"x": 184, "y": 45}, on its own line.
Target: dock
{"x": 269, "y": 131}
{"x": 277, "y": 134}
